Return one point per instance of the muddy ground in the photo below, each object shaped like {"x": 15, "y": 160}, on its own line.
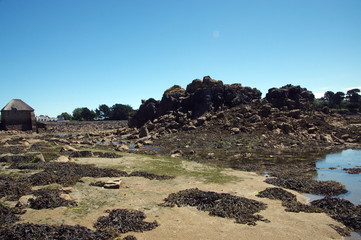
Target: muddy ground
{"x": 155, "y": 182}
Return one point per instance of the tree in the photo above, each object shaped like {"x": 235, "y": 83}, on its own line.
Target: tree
{"x": 353, "y": 96}
{"x": 77, "y": 114}
{"x": 328, "y": 96}
{"x": 83, "y": 114}
{"x": 338, "y": 98}
{"x": 121, "y": 112}
{"x": 65, "y": 116}
{"x": 103, "y": 112}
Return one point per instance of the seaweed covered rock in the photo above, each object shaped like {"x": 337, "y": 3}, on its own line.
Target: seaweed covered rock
{"x": 306, "y": 185}
{"x": 277, "y": 193}
{"x": 341, "y": 210}
{"x": 65, "y": 173}
{"x": 13, "y": 188}
{"x": 356, "y": 170}
{"x": 290, "y": 97}
{"x": 123, "y": 220}
{"x": 49, "y": 198}
{"x": 29, "y": 231}
{"x": 288, "y": 199}
{"x": 218, "y": 204}
{"x": 25, "y": 158}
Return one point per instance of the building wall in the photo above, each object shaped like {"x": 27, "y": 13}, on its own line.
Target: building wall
{"x": 18, "y": 120}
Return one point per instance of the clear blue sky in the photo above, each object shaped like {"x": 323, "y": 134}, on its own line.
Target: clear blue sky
{"x": 57, "y": 55}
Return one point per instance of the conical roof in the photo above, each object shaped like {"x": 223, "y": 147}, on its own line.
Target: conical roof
{"x": 17, "y": 104}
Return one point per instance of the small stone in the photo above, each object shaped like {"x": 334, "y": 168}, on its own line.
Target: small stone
{"x": 143, "y": 132}
{"x": 235, "y": 130}
{"x": 122, "y": 148}
{"x": 68, "y": 148}
{"x": 63, "y": 159}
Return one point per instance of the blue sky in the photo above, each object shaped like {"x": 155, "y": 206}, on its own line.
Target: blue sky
{"x": 61, "y": 54}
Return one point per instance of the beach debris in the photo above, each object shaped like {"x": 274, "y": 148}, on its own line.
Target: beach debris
{"x": 124, "y": 220}
{"x": 218, "y": 204}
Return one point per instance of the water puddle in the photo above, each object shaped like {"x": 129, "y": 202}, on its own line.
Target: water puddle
{"x": 332, "y": 168}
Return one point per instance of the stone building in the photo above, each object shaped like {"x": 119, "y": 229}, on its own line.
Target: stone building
{"x": 17, "y": 115}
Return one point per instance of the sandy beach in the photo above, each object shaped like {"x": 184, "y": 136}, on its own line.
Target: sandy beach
{"x": 184, "y": 222}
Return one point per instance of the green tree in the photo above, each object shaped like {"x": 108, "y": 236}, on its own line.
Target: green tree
{"x": 121, "y": 112}
{"x": 103, "y": 112}
{"x": 83, "y": 114}
{"x": 77, "y": 114}
{"x": 65, "y": 115}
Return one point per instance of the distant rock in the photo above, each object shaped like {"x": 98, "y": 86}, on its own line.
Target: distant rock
{"x": 199, "y": 98}
{"x": 290, "y": 97}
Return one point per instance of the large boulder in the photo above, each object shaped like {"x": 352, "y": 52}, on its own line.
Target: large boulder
{"x": 171, "y": 100}
{"x": 235, "y": 94}
{"x": 204, "y": 96}
{"x": 290, "y": 97}
{"x": 147, "y": 111}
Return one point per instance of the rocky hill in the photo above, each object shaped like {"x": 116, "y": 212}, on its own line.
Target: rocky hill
{"x": 210, "y": 118}
{"x": 198, "y": 98}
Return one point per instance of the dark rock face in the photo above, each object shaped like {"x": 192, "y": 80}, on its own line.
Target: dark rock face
{"x": 147, "y": 111}
{"x": 200, "y": 97}
{"x": 290, "y": 97}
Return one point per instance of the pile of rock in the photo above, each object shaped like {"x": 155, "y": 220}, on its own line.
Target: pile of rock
{"x": 200, "y": 97}
{"x": 290, "y": 97}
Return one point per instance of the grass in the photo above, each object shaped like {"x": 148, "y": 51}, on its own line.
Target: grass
{"x": 180, "y": 167}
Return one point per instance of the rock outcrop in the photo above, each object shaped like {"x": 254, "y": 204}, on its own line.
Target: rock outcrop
{"x": 290, "y": 97}
{"x": 199, "y": 98}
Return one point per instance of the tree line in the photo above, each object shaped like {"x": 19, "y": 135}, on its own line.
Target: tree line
{"x": 339, "y": 101}
{"x": 103, "y": 112}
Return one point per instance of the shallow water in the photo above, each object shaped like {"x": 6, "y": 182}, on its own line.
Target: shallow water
{"x": 331, "y": 168}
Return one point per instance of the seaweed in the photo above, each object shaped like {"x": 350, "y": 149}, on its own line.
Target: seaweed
{"x": 150, "y": 176}
{"x": 29, "y": 231}
{"x": 305, "y": 185}
{"x": 356, "y": 170}
{"x": 289, "y": 200}
{"x": 341, "y": 210}
{"x": 7, "y": 215}
{"x": 123, "y": 220}
{"x": 218, "y": 204}
{"x": 97, "y": 184}
{"x": 66, "y": 173}
{"x": 49, "y": 198}
{"x": 13, "y": 188}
